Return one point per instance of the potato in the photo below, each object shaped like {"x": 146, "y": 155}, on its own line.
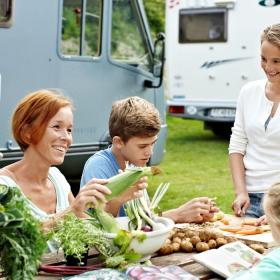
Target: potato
{"x": 257, "y": 247}
{"x": 212, "y": 244}
{"x": 177, "y": 240}
{"x": 191, "y": 233}
{"x": 186, "y": 246}
{"x": 201, "y": 247}
{"x": 175, "y": 247}
{"x": 221, "y": 241}
{"x": 195, "y": 239}
{"x": 186, "y": 239}
{"x": 166, "y": 249}
{"x": 230, "y": 239}
{"x": 215, "y": 234}
{"x": 167, "y": 241}
{"x": 181, "y": 234}
{"x": 203, "y": 236}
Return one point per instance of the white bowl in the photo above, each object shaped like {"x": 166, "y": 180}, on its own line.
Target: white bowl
{"x": 154, "y": 240}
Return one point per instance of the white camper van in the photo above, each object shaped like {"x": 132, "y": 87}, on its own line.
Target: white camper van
{"x": 96, "y": 51}
{"x": 212, "y": 50}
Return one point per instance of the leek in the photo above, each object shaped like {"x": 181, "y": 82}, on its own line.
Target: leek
{"x": 121, "y": 182}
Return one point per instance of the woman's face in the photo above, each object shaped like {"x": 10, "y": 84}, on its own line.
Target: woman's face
{"x": 56, "y": 139}
{"x": 270, "y": 61}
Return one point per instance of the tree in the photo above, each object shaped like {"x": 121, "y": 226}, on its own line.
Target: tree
{"x": 155, "y": 10}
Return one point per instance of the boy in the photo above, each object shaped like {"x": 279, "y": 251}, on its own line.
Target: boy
{"x": 133, "y": 125}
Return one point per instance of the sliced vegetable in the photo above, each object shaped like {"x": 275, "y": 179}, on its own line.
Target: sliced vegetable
{"x": 250, "y": 222}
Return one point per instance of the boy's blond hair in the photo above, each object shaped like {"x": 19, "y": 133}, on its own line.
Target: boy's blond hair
{"x": 271, "y": 206}
{"x": 272, "y": 34}
{"x": 133, "y": 117}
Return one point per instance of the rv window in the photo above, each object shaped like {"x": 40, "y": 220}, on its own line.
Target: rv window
{"x": 129, "y": 41}
{"x": 203, "y": 25}
{"x": 81, "y": 27}
{"x": 5, "y": 13}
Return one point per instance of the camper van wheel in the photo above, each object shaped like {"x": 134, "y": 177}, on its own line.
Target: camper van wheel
{"x": 220, "y": 129}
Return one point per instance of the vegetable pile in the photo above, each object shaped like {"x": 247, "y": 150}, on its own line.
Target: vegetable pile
{"x": 22, "y": 242}
{"x": 76, "y": 236}
{"x": 198, "y": 238}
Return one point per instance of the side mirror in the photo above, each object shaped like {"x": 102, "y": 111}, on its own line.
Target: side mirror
{"x": 158, "y": 61}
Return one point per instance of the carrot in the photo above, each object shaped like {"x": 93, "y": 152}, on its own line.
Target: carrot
{"x": 250, "y": 222}
{"x": 250, "y": 231}
{"x": 231, "y": 228}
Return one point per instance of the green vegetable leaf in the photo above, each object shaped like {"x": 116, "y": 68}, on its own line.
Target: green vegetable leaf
{"x": 22, "y": 242}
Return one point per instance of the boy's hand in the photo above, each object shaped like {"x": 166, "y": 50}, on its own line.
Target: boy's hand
{"x": 134, "y": 191}
{"x": 195, "y": 210}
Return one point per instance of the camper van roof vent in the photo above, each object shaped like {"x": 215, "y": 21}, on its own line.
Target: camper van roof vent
{"x": 225, "y": 3}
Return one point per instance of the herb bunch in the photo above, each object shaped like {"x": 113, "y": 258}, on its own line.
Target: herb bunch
{"x": 22, "y": 241}
{"x": 76, "y": 236}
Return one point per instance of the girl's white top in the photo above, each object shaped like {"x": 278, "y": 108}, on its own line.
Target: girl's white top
{"x": 260, "y": 146}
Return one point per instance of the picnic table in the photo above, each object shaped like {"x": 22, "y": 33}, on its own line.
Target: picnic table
{"x": 184, "y": 260}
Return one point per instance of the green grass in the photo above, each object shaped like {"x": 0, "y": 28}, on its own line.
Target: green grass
{"x": 195, "y": 164}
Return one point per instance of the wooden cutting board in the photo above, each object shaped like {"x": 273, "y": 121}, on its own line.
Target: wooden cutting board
{"x": 265, "y": 238}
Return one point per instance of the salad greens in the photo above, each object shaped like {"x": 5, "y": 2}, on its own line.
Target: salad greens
{"x": 22, "y": 241}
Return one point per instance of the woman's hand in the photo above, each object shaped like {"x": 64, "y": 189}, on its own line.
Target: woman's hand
{"x": 241, "y": 204}
{"x": 196, "y": 210}
{"x": 90, "y": 195}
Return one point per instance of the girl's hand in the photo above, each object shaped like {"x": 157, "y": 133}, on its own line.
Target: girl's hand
{"x": 241, "y": 204}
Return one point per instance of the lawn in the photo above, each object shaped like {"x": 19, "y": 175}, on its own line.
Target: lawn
{"x": 195, "y": 164}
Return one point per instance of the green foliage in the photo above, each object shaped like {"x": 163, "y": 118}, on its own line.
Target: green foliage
{"x": 195, "y": 164}
{"x": 22, "y": 242}
{"x": 155, "y": 10}
{"x": 76, "y": 236}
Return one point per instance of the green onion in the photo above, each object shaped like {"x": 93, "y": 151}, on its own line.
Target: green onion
{"x": 141, "y": 212}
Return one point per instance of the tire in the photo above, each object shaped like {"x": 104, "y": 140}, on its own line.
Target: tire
{"x": 220, "y": 129}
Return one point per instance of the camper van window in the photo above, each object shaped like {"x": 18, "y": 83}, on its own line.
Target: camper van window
{"x": 203, "y": 25}
{"x": 5, "y": 13}
{"x": 81, "y": 27}
{"x": 129, "y": 41}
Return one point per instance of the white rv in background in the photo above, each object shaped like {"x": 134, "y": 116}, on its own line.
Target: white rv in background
{"x": 212, "y": 50}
